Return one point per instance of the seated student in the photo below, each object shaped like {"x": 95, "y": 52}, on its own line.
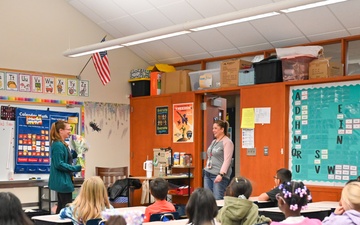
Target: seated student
{"x": 159, "y": 189}
{"x": 11, "y": 212}
{"x": 91, "y": 201}
{"x": 282, "y": 175}
{"x": 348, "y": 211}
{"x": 293, "y": 197}
{"x": 237, "y": 208}
{"x": 116, "y": 220}
{"x": 201, "y": 209}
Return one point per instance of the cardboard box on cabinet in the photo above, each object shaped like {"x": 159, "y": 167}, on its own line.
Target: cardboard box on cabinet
{"x": 174, "y": 82}
{"x": 323, "y": 67}
{"x": 229, "y": 71}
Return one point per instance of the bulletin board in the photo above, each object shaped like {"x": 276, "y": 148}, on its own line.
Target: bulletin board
{"x": 9, "y": 139}
{"x": 324, "y": 132}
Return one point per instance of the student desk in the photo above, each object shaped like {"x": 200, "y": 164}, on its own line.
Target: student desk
{"x": 55, "y": 219}
{"x": 260, "y": 204}
{"x": 51, "y": 220}
{"x": 331, "y": 204}
{"x": 275, "y": 214}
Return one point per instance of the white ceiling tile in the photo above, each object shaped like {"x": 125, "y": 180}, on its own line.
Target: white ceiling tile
{"x": 86, "y": 11}
{"x": 180, "y": 12}
{"x": 158, "y": 50}
{"x": 131, "y": 6}
{"x": 211, "y": 40}
{"x": 255, "y": 48}
{"x": 329, "y": 35}
{"x": 225, "y": 52}
{"x": 127, "y": 25}
{"x": 160, "y": 3}
{"x": 105, "y": 9}
{"x": 198, "y": 56}
{"x": 348, "y": 14}
{"x": 315, "y": 21}
{"x": 183, "y": 45}
{"x": 217, "y": 7}
{"x": 111, "y": 29}
{"x": 242, "y": 34}
{"x": 354, "y": 31}
{"x": 276, "y": 28}
{"x": 141, "y": 53}
{"x": 245, "y": 4}
{"x": 289, "y": 42}
{"x": 152, "y": 19}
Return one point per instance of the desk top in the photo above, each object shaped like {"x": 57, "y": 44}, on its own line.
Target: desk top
{"x": 331, "y": 204}
{"x": 310, "y": 209}
{"x": 51, "y": 218}
{"x": 220, "y": 203}
{"x": 165, "y": 177}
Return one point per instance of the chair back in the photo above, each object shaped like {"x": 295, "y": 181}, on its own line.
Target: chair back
{"x": 164, "y": 216}
{"x": 93, "y": 221}
{"x": 110, "y": 174}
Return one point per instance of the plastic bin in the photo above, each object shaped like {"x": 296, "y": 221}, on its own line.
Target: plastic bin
{"x": 140, "y": 87}
{"x": 296, "y": 68}
{"x": 195, "y": 79}
{"x": 246, "y": 77}
{"x": 268, "y": 70}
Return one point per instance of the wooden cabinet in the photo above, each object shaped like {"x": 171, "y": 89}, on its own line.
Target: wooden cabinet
{"x": 143, "y": 137}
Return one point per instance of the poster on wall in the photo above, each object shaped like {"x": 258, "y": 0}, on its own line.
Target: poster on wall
{"x": 183, "y": 122}
{"x": 37, "y": 84}
{"x": 32, "y": 140}
{"x": 2, "y": 80}
{"x": 12, "y": 81}
{"x": 25, "y": 82}
{"x": 49, "y": 85}
{"x": 162, "y": 123}
{"x": 60, "y": 86}
{"x": 325, "y": 132}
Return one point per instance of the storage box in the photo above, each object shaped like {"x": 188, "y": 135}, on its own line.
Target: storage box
{"x": 229, "y": 71}
{"x": 246, "y": 77}
{"x": 184, "y": 190}
{"x": 322, "y": 68}
{"x": 196, "y": 75}
{"x": 139, "y": 73}
{"x": 155, "y": 83}
{"x": 268, "y": 70}
{"x": 296, "y": 68}
{"x": 140, "y": 87}
{"x": 174, "y": 82}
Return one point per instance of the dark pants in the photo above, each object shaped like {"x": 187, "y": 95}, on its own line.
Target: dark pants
{"x": 63, "y": 199}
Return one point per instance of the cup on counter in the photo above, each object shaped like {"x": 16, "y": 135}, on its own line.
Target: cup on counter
{"x": 148, "y": 167}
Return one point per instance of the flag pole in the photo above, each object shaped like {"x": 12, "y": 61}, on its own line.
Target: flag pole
{"x": 79, "y": 76}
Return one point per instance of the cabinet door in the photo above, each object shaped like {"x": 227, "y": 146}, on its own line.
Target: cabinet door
{"x": 143, "y": 131}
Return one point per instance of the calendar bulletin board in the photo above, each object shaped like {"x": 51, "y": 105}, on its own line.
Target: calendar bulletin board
{"x": 324, "y": 132}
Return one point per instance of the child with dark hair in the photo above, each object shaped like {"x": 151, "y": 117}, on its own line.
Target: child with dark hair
{"x": 293, "y": 197}
{"x": 237, "y": 208}
{"x": 282, "y": 175}
{"x": 11, "y": 212}
{"x": 201, "y": 208}
{"x": 159, "y": 189}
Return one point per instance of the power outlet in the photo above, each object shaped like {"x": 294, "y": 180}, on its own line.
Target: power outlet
{"x": 266, "y": 150}
{"x": 251, "y": 151}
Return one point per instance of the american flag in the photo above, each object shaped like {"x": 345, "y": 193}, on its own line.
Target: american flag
{"x": 101, "y": 63}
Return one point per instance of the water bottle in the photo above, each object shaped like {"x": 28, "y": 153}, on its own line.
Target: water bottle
{"x": 161, "y": 171}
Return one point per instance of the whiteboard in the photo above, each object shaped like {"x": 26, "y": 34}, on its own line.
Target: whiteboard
{"x": 7, "y": 133}
{"x": 324, "y": 133}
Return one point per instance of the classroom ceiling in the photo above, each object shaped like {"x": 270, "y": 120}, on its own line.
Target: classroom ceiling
{"x": 122, "y": 18}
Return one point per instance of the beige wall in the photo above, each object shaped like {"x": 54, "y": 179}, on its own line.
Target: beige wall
{"x": 34, "y": 34}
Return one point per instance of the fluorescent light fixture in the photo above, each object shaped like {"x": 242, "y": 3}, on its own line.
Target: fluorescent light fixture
{"x": 261, "y": 11}
{"x": 96, "y": 50}
{"x": 156, "y": 38}
{"x": 235, "y": 21}
{"x": 312, "y": 5}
